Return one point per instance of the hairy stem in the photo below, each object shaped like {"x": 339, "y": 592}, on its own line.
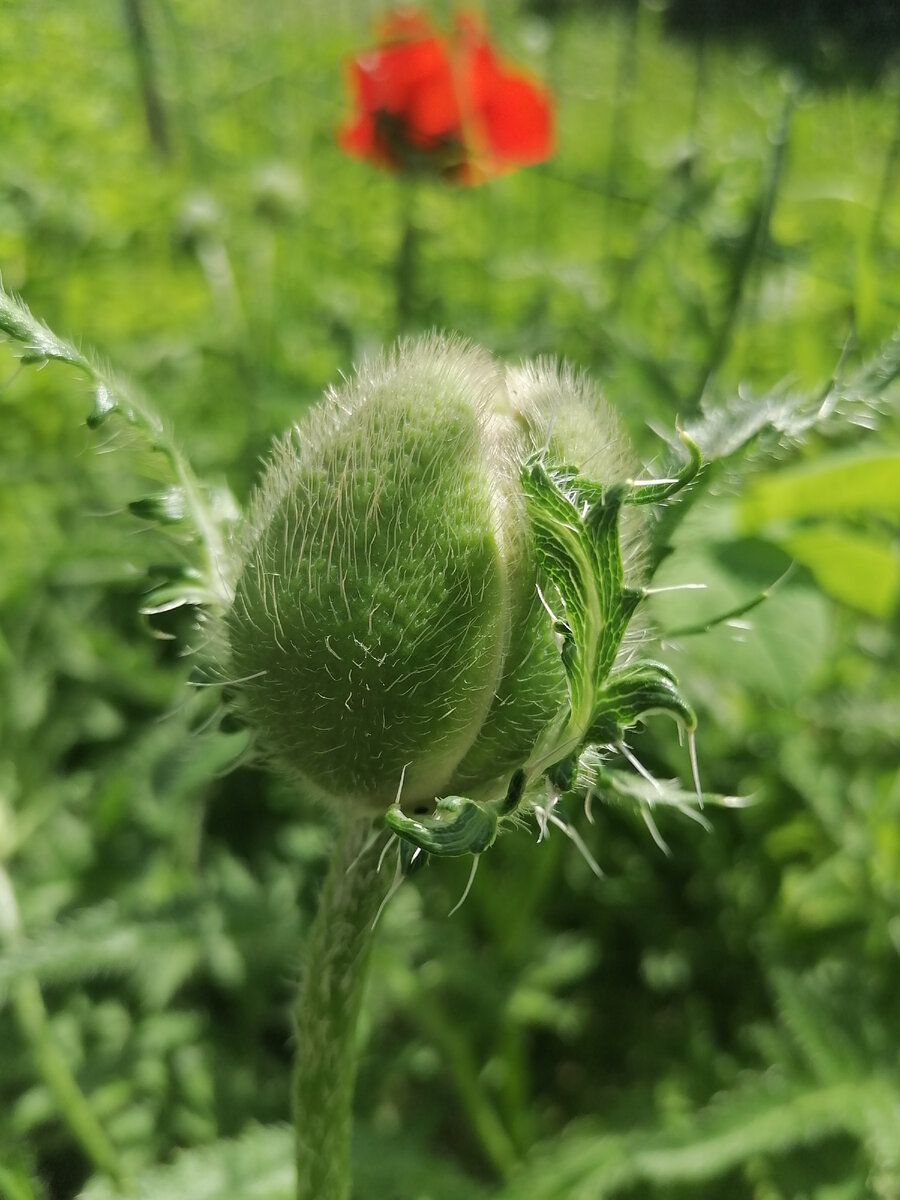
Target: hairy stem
{"x": 326, "y": 1014}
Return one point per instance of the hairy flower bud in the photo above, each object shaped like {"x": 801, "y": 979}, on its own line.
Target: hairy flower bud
{"x": 388, "y": 622}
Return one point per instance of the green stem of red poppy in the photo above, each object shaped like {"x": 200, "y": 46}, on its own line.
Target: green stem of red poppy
{"x": 406, "y": 259}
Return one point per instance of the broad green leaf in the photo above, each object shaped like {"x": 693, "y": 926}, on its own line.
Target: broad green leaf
{"x": 776, "y": 649}
{"x": 860, "y": 569}
{"x": 836, "y": 485}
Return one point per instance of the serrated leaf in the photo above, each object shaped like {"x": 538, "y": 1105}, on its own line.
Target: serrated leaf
{"x": 210, "y": 512}
{"x": 575, "y": 525}
{"x": 259, "y": 1165}
{"x": 17, "y": 1184}
{"x": 761, "y": 1120}
{"x": 96, "y": 942}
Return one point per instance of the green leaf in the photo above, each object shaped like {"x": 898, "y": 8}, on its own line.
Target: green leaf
{"x": 395, "y": 1168}
{"x": 17, "y": 1184}
{"x": 763, "y": 1119}
{"x": 210, "y": 512}
{"x": 775, "y": 650}
{"x": 97, "y": 942}
{"x": 836, "y": 485}
{"x": 826, "y": 896}
{"x": 259, "y": 1165}
{"x": 859, "y": 569}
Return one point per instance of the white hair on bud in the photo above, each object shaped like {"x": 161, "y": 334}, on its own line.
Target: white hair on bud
{"x": 429, "y": 418}
{"x": 566, "y": 414}
{"x": 387, "y": 609}
{"x": 434, "y": 357}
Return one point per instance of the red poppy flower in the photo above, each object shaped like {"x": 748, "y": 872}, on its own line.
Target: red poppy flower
{"x": 444, "y": 105}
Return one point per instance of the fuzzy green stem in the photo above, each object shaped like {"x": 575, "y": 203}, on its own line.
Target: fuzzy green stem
{"x": 34, "y": 1024}
{"x": 327, "y": 1010}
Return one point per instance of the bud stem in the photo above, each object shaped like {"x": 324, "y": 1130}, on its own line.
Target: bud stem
{"x": 326, "y": 1013}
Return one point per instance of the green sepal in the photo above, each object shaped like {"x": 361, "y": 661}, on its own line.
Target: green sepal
{"x": 575, "y": 523}
{"x": 632, "y": 693}
{"x": 172, "y": 572}
{"x": 514, "y": 793}
{"x": 561, "y": 776}
{"x": 181, "y": 595}
{"x": 654, "y": 491}
{"x": 457, "y": 826}
{"x": 412, "y": 858}
{"x": 611, "y": 784}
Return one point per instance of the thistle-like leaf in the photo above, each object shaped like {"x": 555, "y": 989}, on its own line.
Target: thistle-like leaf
{"x": 209, "y": 513}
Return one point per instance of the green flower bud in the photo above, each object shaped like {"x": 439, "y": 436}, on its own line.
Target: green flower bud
{"x": 388, "y": 621}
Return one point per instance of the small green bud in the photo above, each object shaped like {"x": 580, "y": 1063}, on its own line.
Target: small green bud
{"x": 278, "y": 193}
{"x": 166, "y": 508}
{"x": 390, "y": 617}
{"x": 199, "y": 220}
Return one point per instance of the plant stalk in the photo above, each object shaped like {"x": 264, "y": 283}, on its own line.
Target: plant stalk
{"x": 406, "y": 259}
{"x": 154, "y": 109}
{"x": 326, "y": 1013}
{"x": 72, "y": 1104}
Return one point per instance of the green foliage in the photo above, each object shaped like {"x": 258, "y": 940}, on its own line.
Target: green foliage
{"x": 833, "y": 515}
{"x": 260, "y": 1164}
{"x": 833, "y": 1085}
{"x": 717, "y": 242}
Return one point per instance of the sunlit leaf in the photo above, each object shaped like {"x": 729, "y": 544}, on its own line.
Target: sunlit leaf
{"x": 835, "y": 485}
{"x": 860, "y": 569}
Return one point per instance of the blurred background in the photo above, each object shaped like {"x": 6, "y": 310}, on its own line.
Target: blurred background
{"x": 716, "y": 239}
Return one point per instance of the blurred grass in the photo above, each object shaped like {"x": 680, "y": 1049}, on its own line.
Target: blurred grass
{"x": 714, "y": 227}
{"x": 744, "y": 211}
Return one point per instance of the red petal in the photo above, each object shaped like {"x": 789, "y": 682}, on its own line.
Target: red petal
{"x": 412, "y": 81}
{"x": 513, "y": 117}
{"x": 419, "y": 103}
{"x": 518, "y": 121}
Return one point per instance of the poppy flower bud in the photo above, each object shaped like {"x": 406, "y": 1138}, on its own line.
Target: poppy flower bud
{"x": 387, "y": 622}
